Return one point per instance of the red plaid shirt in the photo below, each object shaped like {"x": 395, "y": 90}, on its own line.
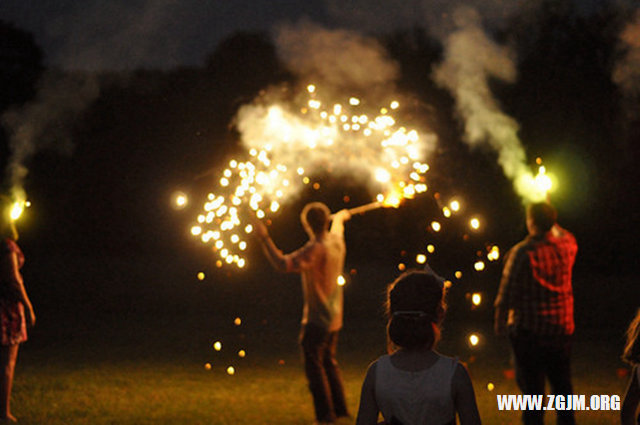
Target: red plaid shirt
{"x": 535, "y": 289}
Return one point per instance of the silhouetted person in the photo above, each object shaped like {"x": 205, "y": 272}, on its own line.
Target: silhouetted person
{"x": 14, "y": 303}
{"x": 534, "y": 307}
{"x": 415, "y": 385}
{"x": 320, "y": 263}
{"x": 630, "y": 412}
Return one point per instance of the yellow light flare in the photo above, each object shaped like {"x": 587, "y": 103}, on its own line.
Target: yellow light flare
{"x": 382, "y": 175}
{"x": 402, "y": 267}
{"x": 479, "y": 265}
{"x": 395, "y": 104}
{"x": 242, "y": 354}
{"x": 354, "y": 101}
{"x": 446, "y": 212}
{"x": 474, "y": 223}
{"x": 476, "y": 298}
{"x": 542, "y": 181}
{"x": 207, "y": 366}
{"x": 181, "y": 200}
{"x": 311, "y": 88}
{"x": 491, "y": 386}
{"x": 217, "y": 345}
{"x": 341, "y": 280}
{"x": 494, "y": 253}
{"x": 431, "y": 248}
{"x": 448, "y": 284}
{"x": 421, "y": 258}
{"x": 201, "y": 276}
{"x": 237, "y": 321}
{"x": 196, "y": 230}
{"x": 474, "y": 340}
{"x": 231, "y": 370}
{"x": 436, "y": 226}
{"x": 458, "y": 274}
{"x": 16, "y": 210}
{"x": 455, "y": 205}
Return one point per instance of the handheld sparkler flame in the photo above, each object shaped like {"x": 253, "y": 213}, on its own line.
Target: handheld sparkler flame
{"x": 288, "y": 145}
{"x": 539, "y": 186}
{"x": 17, "y": 209}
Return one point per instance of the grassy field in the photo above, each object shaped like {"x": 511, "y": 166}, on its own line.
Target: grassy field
{"x": 124, "y": 354}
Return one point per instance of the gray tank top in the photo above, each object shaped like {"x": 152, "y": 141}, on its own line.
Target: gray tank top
{"x": 416, "y": 398}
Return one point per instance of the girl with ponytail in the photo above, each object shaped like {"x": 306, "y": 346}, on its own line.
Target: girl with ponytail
{"x": 414, "y": 384}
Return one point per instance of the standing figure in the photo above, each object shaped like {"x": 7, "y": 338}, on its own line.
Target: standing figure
{"x": 630, "y": 412}
{"x": 14, "y": 303}
{"x": 320, "y": 263}
{"x": 415, "y": 385}
{"x": 534, "y": 307}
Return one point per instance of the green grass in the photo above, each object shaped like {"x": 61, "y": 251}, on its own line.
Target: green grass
{"x": 130, "y": 348}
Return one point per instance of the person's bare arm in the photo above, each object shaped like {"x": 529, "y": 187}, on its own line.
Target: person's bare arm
{"x": 337, "y": 223}
{"x": 631, "y": 400}
{"x": 464, "y": 399}
{"x": 11, "y": 272}
{"x": 368, "y": 410}
{"x": 272, "y": 252}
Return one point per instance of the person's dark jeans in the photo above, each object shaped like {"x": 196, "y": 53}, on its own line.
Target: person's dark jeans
{"x": 323, "y": 374}
{"x": 537, "y": 357}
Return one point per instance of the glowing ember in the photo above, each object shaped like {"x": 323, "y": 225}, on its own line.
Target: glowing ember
{"x": 201, "y": 276}
{"x": 474, "y": 340}
{"x": 455, "y": 205}
{"x": 435, "y": 226}
{"x": 474, "y": 223}
{"x": 181, "y": 200}
{"x": 491, "y": 386}
{"x": 231, "y": 370}
{"x": 494, "y": 253}
{"x": 237, "y": 321}
{"x": 421, "y": 259}
{"x": 479, "y": 265}
{"x": 476, "y": 299}
{"x": 217, "y": 346}
{"x": 341, "y": 280}
{"x": 207, "y": 366}
{"x": 458, "y": 275}
{"x": 287, "y": 145}
{"x": 242, "y": 353}
{"x": 431, "y": 249}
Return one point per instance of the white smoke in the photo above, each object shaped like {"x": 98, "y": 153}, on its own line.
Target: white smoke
{"x": 471, "y": 58}
{"x": 45, "y": 122}
{"x": 340, "y": 58}
{"x": 626, "y": 73}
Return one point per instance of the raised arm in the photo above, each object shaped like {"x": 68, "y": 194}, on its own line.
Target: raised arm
{"x": 337, "y": 223}
{"x": 464, "y": 399}
{"x": 272, "y": 252}
{"x": 11, "y": 273}
{"x": 368, "y": 410}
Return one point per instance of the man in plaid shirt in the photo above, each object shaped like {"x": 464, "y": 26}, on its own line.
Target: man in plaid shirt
{"x": 534, "y": 307}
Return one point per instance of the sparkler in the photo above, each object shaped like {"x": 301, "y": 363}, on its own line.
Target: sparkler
{"x": 286, "y": 146}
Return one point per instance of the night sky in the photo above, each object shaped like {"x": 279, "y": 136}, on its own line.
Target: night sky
{"x": 131, "y": 101}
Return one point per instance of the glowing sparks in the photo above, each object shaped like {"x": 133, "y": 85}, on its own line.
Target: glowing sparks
{"x": 435, "y": 226}
{"x": 491, "y": 386}
{"x": 458, "y": 274}
{"x": 431, "y": 249}
{"x": 288, "y": 144}
{"x": 242, "y": 354}
{"x": 479, "y": 265}
{"x": 201, "y": 276}
{"x": 237, "y": 321}
{"x": 474, "y": 223}
{"x": 494, "y": 253}
{"x": 181, "y": 200}
{"x": 455, "y": 205}
{"x": 476, "y": 299}
{"x": 207, "y": 366}
{"x": 217, "y": 346}
{"x": 341, "y": 280}
{"x": 474, "y": 340}
{"x": 231, "y": 370}
{"x": 421, "y": 259}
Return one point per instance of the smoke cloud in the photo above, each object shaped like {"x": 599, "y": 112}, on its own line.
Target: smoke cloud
{"x": 626, "y": 73}
{"x": 338, "y": 57}
{"x": 45, "y": 122}
{"x": 471, "y": 59}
